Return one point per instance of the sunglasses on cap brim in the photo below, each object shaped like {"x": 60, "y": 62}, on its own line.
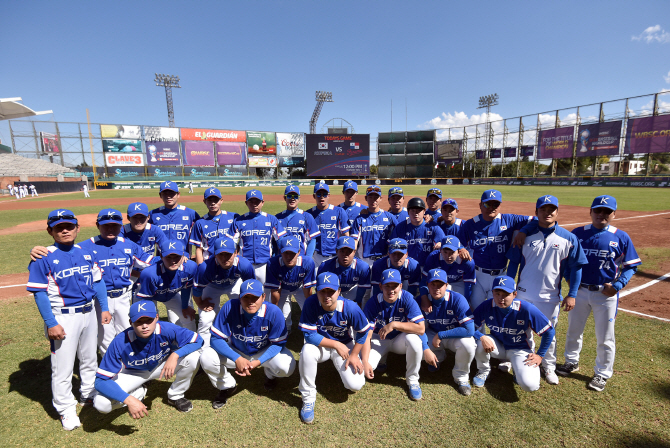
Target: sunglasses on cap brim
{"x": 375, "y": 190}
{"x": 60, "y": 218}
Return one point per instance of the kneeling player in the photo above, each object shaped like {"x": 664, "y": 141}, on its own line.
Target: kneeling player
{"x": 398, "y": 325}
{"x": 326, "y": 322}
{"x": 148, "y": 350}
{"x": 509, "y": 320}
{"x": 257, "y": 334}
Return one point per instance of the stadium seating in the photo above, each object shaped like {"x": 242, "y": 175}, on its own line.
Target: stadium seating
{"x": 13, "y": 165}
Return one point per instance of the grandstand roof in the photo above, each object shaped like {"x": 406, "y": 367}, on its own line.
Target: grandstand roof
{"x": 11, "y": 109}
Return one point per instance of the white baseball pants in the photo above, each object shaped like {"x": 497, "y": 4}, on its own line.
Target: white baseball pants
{"x": 213, "y": 292}
{"x": 527, "y": 377}
{"x": 119, "y": 308}
{"x": 464, "y": 348}
{"x": 175, "y": 315}
{"x": 407, "y": 344}
{"x": 550, "y": 311}
{"x": 311, "y": 356}
{"x": 284, "y": 303}
{"x": 259, "y": 271}
{"x": 482, "y": 290}
{"x": 318, "y": 259}
{"x": 458, "y": 287}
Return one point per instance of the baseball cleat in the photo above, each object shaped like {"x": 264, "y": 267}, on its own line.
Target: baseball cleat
{"x": 70, "y": 422}
{"x": 182, "y": 404}
{"x": 223, "y": 396}
{"x": 480, "y": 378}
{"x": 567, "y": 368}
{"x": 431, "y": 368}
{"x": 415, "y": 392}
{"x": 270, "y": 384}
{"x": 464, "y": 388}
{"x": 86, "y": 401}
{"x": 505, "y": 366}
{"x": 550, "y": 377}
{"x": 307, "y": 413}
{"x": 381, "y": 368}
{"x": 598, "y": 383}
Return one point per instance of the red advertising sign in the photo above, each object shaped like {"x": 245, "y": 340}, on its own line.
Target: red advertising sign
{"x": 213, "y": 135}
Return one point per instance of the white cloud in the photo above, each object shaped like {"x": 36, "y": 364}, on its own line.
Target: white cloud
{"x": 459, "y": 120}
{"x": 653, "y": 34}
{"x": 667, "y": 79}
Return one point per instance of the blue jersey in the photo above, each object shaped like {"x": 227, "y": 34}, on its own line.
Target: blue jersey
{"x": 458, "y": 271}
{"x": 211, "y": 272}
{"x": 335, "y": 324}
{"x": 176, "y": 223}
{"x": 373, "y": 232}
{"x": 148, "y": 240}
{"x": 410, "y": 272}
{"x": 490, "y": 241}
{"x": 379, "y": 312}
{"x": 332, "y": 222}
{"x": 131, "y": 352}
{"x": 117, "y": 258}
{"x": 451, "y": 312}
{"x": 208, "y": 228}
{"x": 302, "y": 275}
{"x": 452, "y": 229}
{"x": 256, "y": 231}
{"x": 66, "y": 276}
{"x": 160, "y": 284}
{"x": 607, "y": 250}
{"x": 299, "y": 224}
{"x": 267, "y": 327}
{"x": 401, "y": 215}
{"x": 357, "y": 274}
{"x": 420, "y": 239}
{"x": 434, "y": 213}
{"x": 353, "y": 210}
{"x": 514, "y": 328}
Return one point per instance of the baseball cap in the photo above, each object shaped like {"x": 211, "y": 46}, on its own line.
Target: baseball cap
{"x": 212, "y": 192}
{"x": 291, "y": 189}
{"x": 253, "y": 287}
{"x": 491, "y": 195}
{"x": 546, "y": 200}
{"x": 505, "y": 283}
{"x": 604, "y": 201}
{"x": 437, "y": 275}
{"x": 172, "y": 247}
{"x": 451, "y": 202}
{"x": 350, "y": 185}
{"x": 396, "y": 191}
{"x": 290, "y": 244}
{"x": 138, "y": 208}
{"x": 397, "y": 245}
{"x": 143, "y": 308}
{"x": 224, "y": 244}
{"x": 450, "y": 242}
{"x": 346, "y": 241}
{"x": 434, "y": 192}
{"x": 321, "y": 186}
{"x": 327, "y": 280}
{"x": 167, "y": 185}
{"x": 373, "y": 189}
{"x": 109, "y": 216}
{"x": 391, "y": 276}
{"x": 254, "y": 194}
{"x": 60, "y": 215}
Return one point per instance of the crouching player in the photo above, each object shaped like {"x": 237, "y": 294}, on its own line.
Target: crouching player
{"x": 326, "y": 322}
{"x": 510, "y": 321}
{"x": 398, "y": 325}
{"x": 148, "y": 350}
{"x": 257, "y": 335}
{"x": 450, "y": 326}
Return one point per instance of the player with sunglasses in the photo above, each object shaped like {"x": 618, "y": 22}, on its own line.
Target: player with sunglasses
{"x": 396, "y": 200}
{"x": 372, "y": 229}
{"x": 433, "y": 200}
{"x": 214, "y": 224}
{"x": 332, "y": 221}
{"x": 297, "y": 223}
{"x": 175, "y": 220}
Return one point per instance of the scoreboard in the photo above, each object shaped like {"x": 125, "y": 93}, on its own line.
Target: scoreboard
{"x": 338, "y": 154}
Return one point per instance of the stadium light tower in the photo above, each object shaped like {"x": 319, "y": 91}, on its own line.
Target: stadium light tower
{"x": 486, "y": 102}
{"x": 321, "y": 97}
{"x": 168, "y": 81}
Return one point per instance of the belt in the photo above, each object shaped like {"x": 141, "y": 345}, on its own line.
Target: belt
{"x": 114, "y": 293}
{"x": 490, "y": 271}
{"x": 75, "y": 309}
{"x": 591, "y": 287}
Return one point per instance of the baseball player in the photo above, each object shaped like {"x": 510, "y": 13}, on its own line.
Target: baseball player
{"x": 65, "y": 282}
{"x": 24, "y": 191}
{"x": 410, "y": 271}
{"x": 460, "y": 273}
{"x": 422, "y": 238}
{"x": 353, "y": 208}
{"x": 140, "y": 231}
{"x": 214, "y": 224}
{"x": 221, "y": 274}
{"x": 17, "y": 191}
{"x": 353, "y": 273}
{"x": 328, "y": 321}
{"x": 298, "y": 223}
{"x": 396, "y": 200}
{"x": 10, "y": 187}
{"x": 190, "y": 187}
{"x": 449, "y": 221}
{"x": 146, "y": 351}
{"x": 33, "y": 191}
{"x": 332, "y": 221}
{"x": 398, "y": 325}
{"x": 612, "y": 261}
{"x": 170, "y": 281}
{"x": 175, "y": 220}
{"x": 256, "y": 230}
{"x": 85, "y": 188}
{"x": 450, "y": 326}
{"x": 510, "y": 321}
{"x": 247, "y": 333}
{"x": 373, "y": 227}
{"x": 547, "y": 254}
{"x": 434, "y": 200}
{"x": 286, "y": 273}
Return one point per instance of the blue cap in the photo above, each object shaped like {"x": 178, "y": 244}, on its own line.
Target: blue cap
{"x": 290, "y": 244}
{"x": 224, "y": 244}
{"x": 350, "y": 185}
{"x": 546, "y": 200}
{"x": 292, "y": 189}
{"x": 491, "y": 195}
{"x": 60, "y": 215}
{"x": 110, "y": 216}
{"x": 321, "y": 186}
{"x": 212, "y": 192}
{"x": 398, "y": 245}
{"x": 346, "y": 241}
{"x": 604, "y": 201}
{"x": 171, "y": 247}
{"x": 327, "y": 280}
{"x": 253, "y": 287}
{"x": 143, "y": 308}
{"x": 138, "y": 208}
{"x": 451, "y": 202}
{"x": 505, "y": 283}
{"x": 168, "y": 185}
{"x": 450, "y": 242}
{"x": 434, "y": 192}
{"x": 437, "y": 274}
{"x": 254, "y": 194}
{"x": 396, "y": 191}
{"x": 391, "y": 276}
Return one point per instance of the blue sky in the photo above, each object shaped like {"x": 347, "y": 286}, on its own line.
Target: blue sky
{"x": 255, "y": 65}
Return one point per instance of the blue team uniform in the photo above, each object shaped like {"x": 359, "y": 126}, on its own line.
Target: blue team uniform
{"x": 147, "y": 240}
{"x": 420, "y": 239}
{"x": 117, "y": 258}
{"x": 176, "y": 223}
{"x": 160, "y": 284}
{"x": 452, "y": 229}
{"x": 332, "y": 222}
{"x": 379, "y": 312}
{"x": 299, "y": 224}
{"x": 210, "y": 271}
{"x": 208, "y": 228}
{"x": 357, "y": 275}
{"x": 317, "y": 323}
{"x": 451, "y": 312}
{"x": 458, "y": 271}
{"x": 302, "y": 275}
{"x": 256, "y": 232}
{"x": 410, "y": 272}
{"x": 373, "y": 232}
{"x": 353, "y": 211}
{"x": 401, "y": 215}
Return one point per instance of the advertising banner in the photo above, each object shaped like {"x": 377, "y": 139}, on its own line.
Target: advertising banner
{"x": 164, "y": 171}
{"x": 598, "y": 139}
{"x": 291, "y": 161}
{"x": 338, "y": 155}
{"x": 163, "y": 153}
{"x": 262, "y": 162}
{"x": 124, "y": 159}
{"x": 88, "y": 171}
{"x": 200, "y": 171}
{"x": 159, "y": 134}
{"x": 198, "y": 153}
{"x": 448, "y": 150}
{"x": 479, "y": 154}
{"x": 120, "y": 131}
{"x": 556, "y": 143}
{"x": 261, "y": 143}
{"x": 291, "y": 144}
{"x": 121, "y": 145}
{"x": 213, "y": 135}
{"x": 496, "y": 153}
{"x": 648, "y": 134}
{"x": 49, "y": 142}
{"x": 126, "y": 172}
{"x": 510, "y": 152}
{"x": 527, "y": 151}
{"x": 231, "y": 153}
{"x": 233, "y": 171}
